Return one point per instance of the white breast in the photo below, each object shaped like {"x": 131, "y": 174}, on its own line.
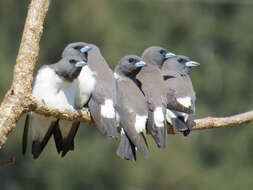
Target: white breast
{"x": 85, "y": 85}
{"x": 140, "y": 123}
{"x": 55, "y": 92}
{"x": 46, "y": 84}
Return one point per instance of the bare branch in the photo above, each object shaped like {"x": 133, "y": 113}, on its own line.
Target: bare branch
{"x": 70, "y": 115}
{"x": 14, "y": 103}
{"x": 221, "y": 122}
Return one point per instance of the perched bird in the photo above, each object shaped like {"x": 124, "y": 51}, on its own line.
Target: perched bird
{"x": 54, "y": 85}
{"x": 101, "y": 101}
{"x": 177, "y": 80}
{"x": 151, "y": 82}
{"x": 131, "y": 106}
{"x": 65, "y": 131}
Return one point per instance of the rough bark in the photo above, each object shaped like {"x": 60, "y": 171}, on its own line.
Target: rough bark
{"x": 14, "y": 103}
{"x": 18, "y": 100}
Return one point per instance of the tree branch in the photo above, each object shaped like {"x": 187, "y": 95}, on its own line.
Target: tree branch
{"x": 14, "y": 103}
{"x": 221, "y": 122}
{"x": 18, "y": 100}
{"x": 69, "y": 115}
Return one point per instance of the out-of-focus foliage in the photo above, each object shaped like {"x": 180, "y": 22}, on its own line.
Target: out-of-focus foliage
{"x": 218, "y": 35}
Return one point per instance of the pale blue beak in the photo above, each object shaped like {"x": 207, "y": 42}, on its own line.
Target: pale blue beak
{"x": 85, "y": 49}
{"x": 140, "y": 64}
{"x": 170, "y": 55}
{"x": 80, "y": 64}
{"x": 192, "y": 64}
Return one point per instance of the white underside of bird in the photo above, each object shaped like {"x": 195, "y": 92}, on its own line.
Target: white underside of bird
{"x": 85, "y": 85}
{"x": 50, "y": 89}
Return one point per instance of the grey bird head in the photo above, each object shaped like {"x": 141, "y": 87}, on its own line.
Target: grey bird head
{"x": 69, "y": 67}
{"x": 77, "y": 49}
{"x": 129, "y": 66}
{"x": 156, "y": 55}
{"x": 180, "y": 63}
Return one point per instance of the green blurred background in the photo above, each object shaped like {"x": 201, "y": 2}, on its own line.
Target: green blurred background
{"x": 218, "y": 34}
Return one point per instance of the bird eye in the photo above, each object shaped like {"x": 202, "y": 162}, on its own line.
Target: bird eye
{"x": 131, "y": 60}
{"x": 180, "y": 60}
{"x": 77, "y": 47}
{"x": 72, "y": 61}
{"x": 162, "y": 52}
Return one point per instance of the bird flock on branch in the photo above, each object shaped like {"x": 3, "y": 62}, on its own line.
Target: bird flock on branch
{"x": 142, "y": 95}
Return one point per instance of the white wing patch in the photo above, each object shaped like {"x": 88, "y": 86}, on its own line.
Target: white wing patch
{"x": 116, "y": 76}
{"x": 107, "y": 109}
{"x": 185, "y": 101}
{"x": 85, "y": 85}
{"x": 140, "y": 123}
{"x": 170, "y": 115}
{"x": 159, "y": 117}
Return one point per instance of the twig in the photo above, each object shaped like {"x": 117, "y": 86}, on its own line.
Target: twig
{"x": 7, "y": 162}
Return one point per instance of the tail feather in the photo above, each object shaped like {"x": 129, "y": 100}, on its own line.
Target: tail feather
{"x": 190, "y": 123}
{"x": 137, "y": 141}
{"x": 159, "y": 134}
{"x": 25, "y": 133}
{"x": 106, "y": 126}
{"x": 58, "y": 137}
{"x": 68, "y": 144}
{"x": 178, "y": 125}
{"x": 126, "y": 149}
{"x": 110, "y": 126}
{"x": 37, "y": 146}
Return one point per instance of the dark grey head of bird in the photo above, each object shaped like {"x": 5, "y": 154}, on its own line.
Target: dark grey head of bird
{"x": 77, "y": 49}
{"x": 156, "y": 55}
{"x": 69, "y": 67}
{"x": 180, "y": 63}
{"x": 129, "y": 66}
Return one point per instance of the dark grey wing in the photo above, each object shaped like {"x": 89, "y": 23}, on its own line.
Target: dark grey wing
{"x": 127, "y": 121}
{"x": 152, "y": 84}
{"x": 105, "y": 85}
{"x": 129, "y": 102}
{"x": 68, "y": 143}
{"x": 25, "y": 133}
{"x": 173, "y": 104}
{"x": 58, "y": 137}
{"x": 37, "y": 147}
{"x": 106, "y": 126}
{"x": 126, "y": 149}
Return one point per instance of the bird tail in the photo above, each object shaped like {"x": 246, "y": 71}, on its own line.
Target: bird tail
{"x": 65, "y": 144}
{"x": 126, "y": 149}
{"x": 106, "y": 126}
{"x": 25, "y": 133}
{"x": 179, "y": 125}
{"x": 68, "y": 143}
{"x": 190, "y": 123}
{"x": 38, "y": 146}
{"x": 159, "y": 134}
